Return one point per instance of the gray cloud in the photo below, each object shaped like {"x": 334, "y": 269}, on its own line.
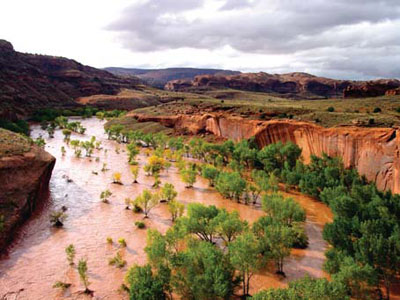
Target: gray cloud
{"x": 346, "y": 34}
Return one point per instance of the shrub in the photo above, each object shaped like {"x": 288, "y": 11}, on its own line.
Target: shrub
{"x": 57, "y": 218}
{"x": 117, "y": 261}
{"x": 331, "y": 109}
{"x": 61, "y": 285}
{"x": 377, "y": 110}
{"x": 70, "y": 251}
{"x": 122, "y": 242}
{"x": 140, "y": 224}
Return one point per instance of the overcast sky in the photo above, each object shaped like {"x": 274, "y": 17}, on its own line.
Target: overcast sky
{"x": 352, "y": 39}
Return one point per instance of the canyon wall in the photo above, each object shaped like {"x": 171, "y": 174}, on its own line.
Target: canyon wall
{"x": 374, "y": 152}
{"x": 291, "y": 85}
{"x": 24, "y": 180}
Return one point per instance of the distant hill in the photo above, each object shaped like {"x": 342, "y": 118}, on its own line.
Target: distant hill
{"x": 159, "y": 77}
{"x": 292, "y": 85}
{"x": 29, "y": 82}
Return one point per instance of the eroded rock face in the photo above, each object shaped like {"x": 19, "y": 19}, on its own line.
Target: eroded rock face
{"x": 374, "y": 152}
{"x": 293, "y": 85}
{"x": 393, "y": 92}
{"x": 29, "y": 82}
{"x": 24, "y": 180}
{"x": 370, "y": 88}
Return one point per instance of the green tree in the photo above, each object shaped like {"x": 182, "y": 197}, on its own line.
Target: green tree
{"x": 168, "y": 192}
{"x": 188, "y": 176}
{"x": 245, "y": 256}
{"x": 133, "y": 151}
{"x": 283, "y": 210}
{"x": 147, "y": 201}
{"x": 201, "y": 220}
{"x": 176, "y": 209}
{"x": 278, "y": 241}
{"x": 83, "y": 275}
{"x": 230, "y": 185}
{"x": 229, "y": 225}
{"x": 203, "y": 272}
{"x": 211, "y": 173}
{"x": 70, "y": 251}
{"x": 306, "y": 289}
{"x": 144, "y": 284}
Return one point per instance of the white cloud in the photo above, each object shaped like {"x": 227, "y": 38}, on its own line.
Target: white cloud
{"x": 338, "y": 38}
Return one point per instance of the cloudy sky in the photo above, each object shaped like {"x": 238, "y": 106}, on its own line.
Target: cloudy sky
{"x": 355, "y": 39}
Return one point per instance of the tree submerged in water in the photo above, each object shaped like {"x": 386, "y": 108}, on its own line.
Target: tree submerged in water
{"x": 83, "y": 275}
{"x": 58, "y": 217}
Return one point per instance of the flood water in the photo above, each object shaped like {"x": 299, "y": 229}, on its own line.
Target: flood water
{"x": 37, "y": 257}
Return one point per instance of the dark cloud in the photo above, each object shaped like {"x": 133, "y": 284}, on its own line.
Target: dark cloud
{"x": 349, "y": 29}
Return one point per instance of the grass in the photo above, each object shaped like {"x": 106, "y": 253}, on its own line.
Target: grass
{"x": 13, "y": 144}
{"x": 131, "y": 123}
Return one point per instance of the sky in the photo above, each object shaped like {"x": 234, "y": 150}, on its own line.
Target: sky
{"x": 347, "y": 39}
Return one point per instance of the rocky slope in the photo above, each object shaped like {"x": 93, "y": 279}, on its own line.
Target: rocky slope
{"x": 29, "y": 82}
{"x": 25, "y": 172}
{"x": 292, "y": 85}
{"x": 159, "y": 77}
{"x": 374, "y": 152}
{"x": 127, "y": 100}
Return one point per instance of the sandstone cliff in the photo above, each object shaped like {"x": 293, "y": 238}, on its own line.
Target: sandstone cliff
{"x": 374, "y": 152}
{"x": 25, "y": 172}
{"x": 292, "y": 85}
{"x": 29, "y": 82}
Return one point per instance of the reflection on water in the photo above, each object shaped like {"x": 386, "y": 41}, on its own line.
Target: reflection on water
{"x": 37, "y": 258}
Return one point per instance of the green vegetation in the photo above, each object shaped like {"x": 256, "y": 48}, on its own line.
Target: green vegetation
{"x": 140, "y": 224}
{"x": 83, "y": 275}
{"x": 13, "y": 144}
{"x": 365, "y": 253}
{"x": 117, "y": 261}
{"x": 70, "y": 251}
{"x": 19, "y": 126}
{"x": 50, "y": 114}
{"x": 143, "y": 284}
{"x": 61, "y": 285}
{"x": 306, "y": 289}
{"x": 176, "y": 209}
{"x": 147, "y": 201}
{"x": 105, "y": 196}
{"x": 122, "y": 242}
{"x": 58, "y": 217}
{"x": 168, "y": 192}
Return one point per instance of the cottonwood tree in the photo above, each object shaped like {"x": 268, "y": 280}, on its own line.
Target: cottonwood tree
{"x": 176, "y": 209}
{"x": 245, "y": 257}
{"x": 168, "y": 192}
{"x": 147, "y": 201}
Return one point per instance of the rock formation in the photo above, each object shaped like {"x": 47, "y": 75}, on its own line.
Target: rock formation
{"x": 292, "y": 85}
{"x": 29, "y": 82}
{"x": 25, "y": 172}
{"x": 371, "y": 88}
{"x": 393, "y": 92}
{"x": 374, "y": 152}
{"x": 126, "y": 100}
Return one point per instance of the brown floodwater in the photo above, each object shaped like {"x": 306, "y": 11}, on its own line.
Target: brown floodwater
{"x": 37, "y": 257}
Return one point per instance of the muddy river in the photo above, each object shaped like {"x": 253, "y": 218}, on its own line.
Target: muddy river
{"x": 37, "y": 257}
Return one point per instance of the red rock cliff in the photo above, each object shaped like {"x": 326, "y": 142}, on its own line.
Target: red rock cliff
{"x": 24, "y": 179}
{"x": 374, "y": 152}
